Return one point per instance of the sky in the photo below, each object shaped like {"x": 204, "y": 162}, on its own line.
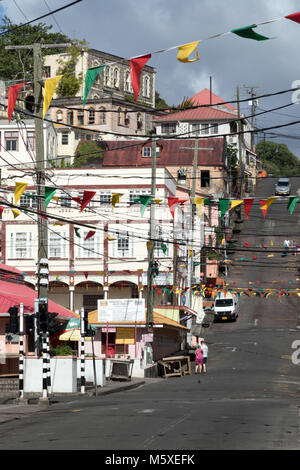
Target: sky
{"x": 128, "y": 28}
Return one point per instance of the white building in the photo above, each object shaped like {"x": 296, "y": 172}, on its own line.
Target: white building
{"x": 113, "y": 262}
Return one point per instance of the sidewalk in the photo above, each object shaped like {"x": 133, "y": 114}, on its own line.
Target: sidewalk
{"x": 10, "y": 411}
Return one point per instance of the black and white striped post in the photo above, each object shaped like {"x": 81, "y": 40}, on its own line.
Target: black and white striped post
{"x": 21, "y": 352}
{"x": 82, "y": 352}
{"x": 45, "y": 366}
{"x": 48, "y": 363}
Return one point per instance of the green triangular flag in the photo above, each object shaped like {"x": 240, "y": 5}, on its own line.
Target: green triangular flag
{"x": 77, "y": 232}
{"x": 291, "y": 204}
{"x": 164, "y": 248}
{"x": 224, "y": 203}
{"x": 207, "y": 201}
{"x": 90, "y": 77}
{"x": 144, "y": 200}
{"x": 248, "y": 33}
{"x": 49, "y": 193}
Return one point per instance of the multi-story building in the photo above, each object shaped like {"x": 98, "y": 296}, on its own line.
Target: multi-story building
{"x": 100, "y": 252}
{"x": 212, "y": 117}
{"x": 110, "y": 109}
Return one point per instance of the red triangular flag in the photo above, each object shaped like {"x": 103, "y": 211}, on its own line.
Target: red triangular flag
{"x": 136, "y": 66}
{"x": 172, "y": 202}
{"x": 86, "y": 274}
{"x": 1, "y": 210}
{"x": 77, "y": 199}
{"x": 13, "y": 92}
{"x": 247, "y": 244}
{"x": 247, "y": 206}
{"x": 294, "y": 17}
{"x": 87, "y": 196}
{"x": 90, "y": 234}
{"x": 262, "y": 203}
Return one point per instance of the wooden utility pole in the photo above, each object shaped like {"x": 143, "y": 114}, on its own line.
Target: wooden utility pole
{"x": 241, "y": 162}
{"x": 151, "y": 245}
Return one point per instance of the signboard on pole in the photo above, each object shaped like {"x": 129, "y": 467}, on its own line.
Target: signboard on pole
{"x": 121, "y": 310}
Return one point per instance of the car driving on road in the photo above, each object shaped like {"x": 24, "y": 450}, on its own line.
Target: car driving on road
{"x": 283, "y": 187}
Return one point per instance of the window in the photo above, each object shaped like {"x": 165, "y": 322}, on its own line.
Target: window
{"x": 126, "y": 118}
{"x": 107, "y": 76}
{"x": 119, "y": 117}
{"x": 128, "y": 86}
{"x": 28, "y": 200}
{"x": 30, "y": 145}
{"x": 20, "y": 245}
{"x": 71, "y": 118}
{"x": 80, "y": 118}
{"x": 214, "y": 129}
{"x": 146, "y": 91}
{"x": 205, "y": 179}
{"x": 11, "y": 141}
{"x": 204, "y": 128}
{"x": 88, "y": 248}
{"x": 139, "y": 121}
{"x": 59, "y": 115}
{"x": 116, "y": 77}
{"x": 169, "y": 128}
{"x": 147, "y": 152}
{"x": 65, "y": 138}
{"x": 57, "y": 245}
{"x": 105, "y": 197}
{"x": 91, "y": 116}
{"x": 65, "y": 200}
{"x": 102, "y": 116}
{"x": 47, "y": 69}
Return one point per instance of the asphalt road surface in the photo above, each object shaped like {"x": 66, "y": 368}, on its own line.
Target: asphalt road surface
{"x": 248, "y": 398}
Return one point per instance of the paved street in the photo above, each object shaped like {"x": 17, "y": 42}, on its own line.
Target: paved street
{"x": 248, "y": 398}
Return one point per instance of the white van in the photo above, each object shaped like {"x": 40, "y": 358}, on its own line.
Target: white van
{"x": 226, "y": 306}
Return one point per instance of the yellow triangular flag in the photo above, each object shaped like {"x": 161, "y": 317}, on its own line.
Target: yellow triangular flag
{"x": 199, "y": 201}
{"x": 268, "y": 202}
{"x": 235, "y": 203}
{"x": 50, "y": 86}
{"x": 110, "y": 238}
{"x": 15, "y": 212}
{"x": 19, "y": 190}
{"x": 185, "y": 50}
{"x": 271, "y": 243}
{"x": 157, "y": 201}
{"x": 270, "y": 256}
{"x": 149, "y": 244}
{"x": 115, "y": 198}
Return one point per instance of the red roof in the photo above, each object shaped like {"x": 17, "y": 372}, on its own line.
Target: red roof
{"x": 173, "y": 152}
{"x": 14, "y": 293}
{"x": 209, "y": 113}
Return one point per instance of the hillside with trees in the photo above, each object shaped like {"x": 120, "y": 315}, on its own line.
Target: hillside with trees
{"x": 277, "y": 159}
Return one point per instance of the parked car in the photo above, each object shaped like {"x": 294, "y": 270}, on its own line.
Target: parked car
{"x": 283, "y": 187}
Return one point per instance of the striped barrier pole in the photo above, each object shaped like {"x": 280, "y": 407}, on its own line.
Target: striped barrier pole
{"x": 48, "y": 362}
{"x": 45, "y": 366}
{"x": 21, "y": 352}
{"x": 82, "y": 353}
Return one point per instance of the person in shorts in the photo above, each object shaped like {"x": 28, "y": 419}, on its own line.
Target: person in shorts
{"x": 198, "y": 359}
{"x": 204, "y": 348}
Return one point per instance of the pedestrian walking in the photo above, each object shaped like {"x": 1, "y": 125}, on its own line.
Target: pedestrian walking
{"x": 198, "y": 359}
{"x": 204, "y": 348}
{"x": 286, "y": 244}
{"x": 294, "y": 246}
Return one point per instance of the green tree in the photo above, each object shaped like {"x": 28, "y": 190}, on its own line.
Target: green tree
{"x": 160, "y": 103}
{"x": 69, "y": 85}
{"x": 88, "y": 152}
{"x": 277, "y": 158}
{"x": 18, "y": 65}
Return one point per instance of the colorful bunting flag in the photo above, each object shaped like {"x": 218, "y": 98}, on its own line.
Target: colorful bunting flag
{"x": 294, "y": 17}
{"x": 185, "y": 50}
{"x": 50, "y": 86}
{"x": 49, "y": 193}
{"x": 86, "y": 198}
{"x": 77, "y": 232}
{"x": 90, "y": 234}
{"x": 90, "y": 77}
{"x": 15, "y": 212}
{"x": 291, "y": 203}
{"x": 268, "y": 202}
{"x": 164, "y": 248}
{"x": 19, "y": 190}
{"x": 248, "y": 33}
{"x": 262, "y": 202}
{"x": 145, "y": 201}
{"x": 199, "y": 201}
{"x": 115, "y": 198}
{"x": 247, "y": 206}
{"x": 13, "y": 92}
{"x": 224, "y": 203}
{"x": 235, "y": 203}
{"x": 136, "y": 66}
{"x": 1, "y": 210}
{"x": 110, "y": 238}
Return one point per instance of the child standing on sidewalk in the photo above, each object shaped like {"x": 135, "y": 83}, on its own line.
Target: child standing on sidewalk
{"x": 198, "y": 359}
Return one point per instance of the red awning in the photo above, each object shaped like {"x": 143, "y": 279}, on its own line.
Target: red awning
{"x": 14, "y": 293}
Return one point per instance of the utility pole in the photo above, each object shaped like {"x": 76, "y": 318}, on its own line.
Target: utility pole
{"x": 43, "y": 268}
{"x": 241, "y": 162}
{"x": 253, "y": 107}
{"x": 150, "y": 290}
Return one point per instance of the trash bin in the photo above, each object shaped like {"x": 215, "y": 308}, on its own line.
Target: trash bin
{"x": 121, "y": 369}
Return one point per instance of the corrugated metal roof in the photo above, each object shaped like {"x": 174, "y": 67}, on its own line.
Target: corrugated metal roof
{"x": 173, "y": 152}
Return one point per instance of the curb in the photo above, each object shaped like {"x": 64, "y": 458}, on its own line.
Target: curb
{"x": 119, "y": 389}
